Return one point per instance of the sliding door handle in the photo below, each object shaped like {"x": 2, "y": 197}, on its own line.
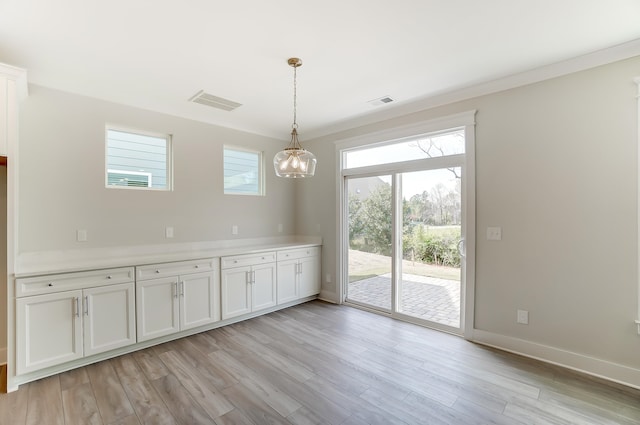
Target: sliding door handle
{"x": 462, "y": 248}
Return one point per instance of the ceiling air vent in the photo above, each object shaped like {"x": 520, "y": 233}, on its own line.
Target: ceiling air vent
{"x": 381, "y": 101}
{"x": 214, "y": 101}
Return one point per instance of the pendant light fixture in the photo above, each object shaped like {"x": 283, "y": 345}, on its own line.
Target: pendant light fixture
{"x": 294, "y": 161}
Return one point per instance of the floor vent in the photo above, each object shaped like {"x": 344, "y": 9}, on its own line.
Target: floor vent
{"x": 214, "y": 101}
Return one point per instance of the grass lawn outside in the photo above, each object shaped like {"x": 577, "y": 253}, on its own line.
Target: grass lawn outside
{"x": 363, "y": 265}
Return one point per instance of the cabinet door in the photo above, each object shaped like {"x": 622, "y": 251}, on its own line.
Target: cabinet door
{"x": 287, "y": 281}
{"x": 48, "y": 331}
{"x": 199, "y": 300}
{"x": 109, "y": 317}
{"x": 263, "y": 288}
{"x": 309, "y": 276}
{"x": 236, "y": 292}
{"x": 157, "y": 308}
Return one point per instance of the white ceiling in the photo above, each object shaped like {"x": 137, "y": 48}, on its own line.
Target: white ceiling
{"x": 156, "y": 54}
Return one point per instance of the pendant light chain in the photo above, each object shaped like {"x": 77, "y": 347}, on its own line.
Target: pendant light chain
{"x": 295, "y": 97}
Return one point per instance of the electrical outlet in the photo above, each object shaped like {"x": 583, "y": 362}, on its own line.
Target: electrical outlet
{"x": 494, "y": 233}
{"x": 280, "y": 228}
{"x": 328, "y": 278}
{"x": 168, "y": 232}
{"x": 234, "y": 229}
{"x": 81, "y": 235}
{"x": 523, "y": 317}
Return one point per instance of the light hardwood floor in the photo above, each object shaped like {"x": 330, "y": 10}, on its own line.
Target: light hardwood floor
{"x": 319, "y": 363}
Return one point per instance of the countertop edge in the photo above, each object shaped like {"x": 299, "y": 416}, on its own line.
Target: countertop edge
{"x": 69, "y": 261}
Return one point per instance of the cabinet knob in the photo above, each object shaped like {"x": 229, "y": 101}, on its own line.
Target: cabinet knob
{"x": 50, "y": 284}
{"x": 109, "y": 277}
{"x": 197, "y": 266}
{"x": 157, "y": 271}
{"x": 235, "y": 261}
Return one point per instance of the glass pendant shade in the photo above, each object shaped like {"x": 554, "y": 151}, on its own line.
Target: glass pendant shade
{"x": 294, "y": 161}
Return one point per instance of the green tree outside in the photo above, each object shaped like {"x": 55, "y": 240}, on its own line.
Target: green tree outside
{"x": 431, "y": 225}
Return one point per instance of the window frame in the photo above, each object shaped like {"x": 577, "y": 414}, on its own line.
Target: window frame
{"x": 168, "y": 154}
{"x": 260, "y": 172}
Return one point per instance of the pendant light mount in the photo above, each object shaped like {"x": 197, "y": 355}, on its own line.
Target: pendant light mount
{"x": 294, "y": 62}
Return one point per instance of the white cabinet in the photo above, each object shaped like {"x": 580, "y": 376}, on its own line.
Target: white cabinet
{"x": 172, "y": 297}
{"x": 49, "y": 330}
{"x": 157, "y": 307}
{"x": 62, "y": 319}
{"x": 109, "y": 317}
{"x": 298, "y": 274}
{"x": 248, "y": 283}
{"x": 309, "y": 282}
{"x": 287, "y": 281}
{"x": 65, "y": 317}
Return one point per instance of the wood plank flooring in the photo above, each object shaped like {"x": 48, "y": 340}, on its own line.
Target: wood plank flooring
{"x": 319, "y": 363}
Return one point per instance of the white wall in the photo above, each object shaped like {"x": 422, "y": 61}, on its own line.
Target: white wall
{"x": 62, "y": 189}
{"x": 557, "y": 169}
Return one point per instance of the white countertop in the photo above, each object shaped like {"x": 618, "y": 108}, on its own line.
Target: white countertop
{"x": 65, "y": 261}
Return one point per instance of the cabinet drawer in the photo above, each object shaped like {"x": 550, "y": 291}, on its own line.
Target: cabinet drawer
{"x": 293, "y": 254}
{"x": 153, "y": 271}
{"x": 248, "y": 260}
{"x": 69, "y": 281}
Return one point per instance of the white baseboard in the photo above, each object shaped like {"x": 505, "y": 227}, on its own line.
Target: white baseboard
{"x": 590, "y": 365}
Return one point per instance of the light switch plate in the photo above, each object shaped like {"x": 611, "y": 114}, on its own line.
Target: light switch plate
{"x": 81, "y": 235}
{"x": 523, "y": 317}
{"x": 494, "y": 233}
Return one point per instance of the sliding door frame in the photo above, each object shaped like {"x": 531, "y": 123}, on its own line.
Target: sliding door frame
{"x": 465, "y": 120}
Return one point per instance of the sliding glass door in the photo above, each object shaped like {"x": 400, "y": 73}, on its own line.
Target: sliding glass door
{"x": 404, "y": 225}
{"x": 369, "y": 206}
{"x": 429, "y": 276}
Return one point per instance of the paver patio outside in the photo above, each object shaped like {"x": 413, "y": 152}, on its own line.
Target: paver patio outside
{"x": 429, "y": 298}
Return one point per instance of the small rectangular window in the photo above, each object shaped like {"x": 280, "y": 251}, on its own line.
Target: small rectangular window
{"x": 243, "y": 171}
{"x": 138, "y": 160}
